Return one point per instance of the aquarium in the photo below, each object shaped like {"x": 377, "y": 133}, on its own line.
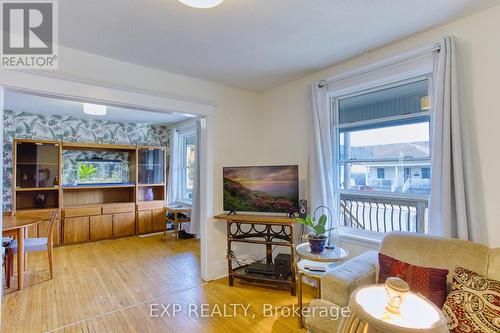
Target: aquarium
{"x": 99, "y": 171}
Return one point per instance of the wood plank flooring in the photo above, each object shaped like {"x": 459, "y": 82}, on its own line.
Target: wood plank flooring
{"x": 109, "y": 286}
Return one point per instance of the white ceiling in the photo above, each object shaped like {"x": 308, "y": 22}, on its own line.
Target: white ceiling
{"x": 42, "y": 105}
{"x": 252, "y": 44}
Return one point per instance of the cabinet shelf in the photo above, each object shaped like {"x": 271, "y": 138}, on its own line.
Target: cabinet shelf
{"x": 34, "y": 163}
{"x": 150, "y": 185}
{"x": 90, "y": 187}
{"x": 28, "y": 189}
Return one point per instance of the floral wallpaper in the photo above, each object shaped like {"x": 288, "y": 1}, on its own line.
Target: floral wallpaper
{"x": 23, "y": 125}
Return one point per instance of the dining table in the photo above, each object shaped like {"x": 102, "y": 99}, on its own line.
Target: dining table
{"x": 18, "y": 225}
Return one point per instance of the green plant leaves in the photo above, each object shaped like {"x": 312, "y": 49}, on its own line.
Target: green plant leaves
{"x": 319, "y": 228}
{"x": 86, "y": 171}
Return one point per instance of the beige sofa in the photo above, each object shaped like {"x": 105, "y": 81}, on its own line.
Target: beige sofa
{"x": 429, "y": 251}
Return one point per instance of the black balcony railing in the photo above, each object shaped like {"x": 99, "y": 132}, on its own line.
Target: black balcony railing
{"x": 383, "y": 214}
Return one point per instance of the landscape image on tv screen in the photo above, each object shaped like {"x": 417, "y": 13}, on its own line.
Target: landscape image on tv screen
{"x": 272, "y": 189}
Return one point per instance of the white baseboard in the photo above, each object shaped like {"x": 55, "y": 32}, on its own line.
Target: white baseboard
{"x": 219, "y": 271}
{"x": 152, "y": 234}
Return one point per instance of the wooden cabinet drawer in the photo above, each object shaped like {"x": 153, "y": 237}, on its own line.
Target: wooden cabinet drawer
{"x": 123, "y": 224}
{"x": 101, "y": 227}
{"x": 149, "y": 205}
{"x": 118, "y": 208}
{"x": 76, "y": 229}
{"x": 144, "y": 222}
{"x": 43, "y": 214}
{"x": 158, "y": 219}
{"x": 82, "y": 211}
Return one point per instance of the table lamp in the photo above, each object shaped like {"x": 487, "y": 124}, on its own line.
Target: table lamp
{"x": 392, "y": 308}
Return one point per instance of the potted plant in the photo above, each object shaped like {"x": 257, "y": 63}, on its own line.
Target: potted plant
{"x": 317, "y": 239}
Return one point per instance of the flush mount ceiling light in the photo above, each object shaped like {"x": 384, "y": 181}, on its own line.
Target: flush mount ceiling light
{"x": 201, "y": 3}
{"x": 94, "y": 109}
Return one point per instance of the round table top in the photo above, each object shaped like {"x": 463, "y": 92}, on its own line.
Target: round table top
{"x": 304, "y": 266}
{"x": 416, "y": 313}
{"x": 328, "y": 255}
{"x": 16, "y": 222}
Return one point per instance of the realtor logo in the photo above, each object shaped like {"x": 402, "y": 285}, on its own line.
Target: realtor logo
{"x": 30, "y": 31}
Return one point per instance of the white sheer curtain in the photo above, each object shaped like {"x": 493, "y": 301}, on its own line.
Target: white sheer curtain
{"x": 174, "y": 166}
{"x": 321, "y": 169}
{"x": 447, "y": 205}
{"x": 196, "y": 207}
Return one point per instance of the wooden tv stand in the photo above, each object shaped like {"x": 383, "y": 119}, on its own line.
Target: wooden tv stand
{"x": 267, "y": 230}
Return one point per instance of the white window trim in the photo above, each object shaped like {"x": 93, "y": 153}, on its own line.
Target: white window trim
{"x": 184, "y": 132}
{"x": 411, "y": 70}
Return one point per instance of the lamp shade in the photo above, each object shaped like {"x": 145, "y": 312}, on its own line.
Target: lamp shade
{"x": 369, "y": 314}
{"x": 94, "y": 109}
{"x": 201, "y": 3}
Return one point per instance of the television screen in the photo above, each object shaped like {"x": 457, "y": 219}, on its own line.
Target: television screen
{"x": 271, "y": 189}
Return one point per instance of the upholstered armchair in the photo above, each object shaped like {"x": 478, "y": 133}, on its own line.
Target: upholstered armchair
{"x": 417, "y": 249}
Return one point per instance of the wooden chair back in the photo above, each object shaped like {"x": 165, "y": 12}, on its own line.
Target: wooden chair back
{"x": 54, "y": 216}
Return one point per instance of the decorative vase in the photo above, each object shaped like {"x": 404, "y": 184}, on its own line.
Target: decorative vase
{"x": 317, "y": 244}
{"x": 149, "y": 196}
{"x": 40, "y": 200}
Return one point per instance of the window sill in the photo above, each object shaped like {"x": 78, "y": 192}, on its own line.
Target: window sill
{"x": 361, "y": 239}
{"x": 184, "y": 203}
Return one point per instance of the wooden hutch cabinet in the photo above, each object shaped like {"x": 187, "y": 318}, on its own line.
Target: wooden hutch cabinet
{"x": 89, "y": 211}
{"x": 151, "y": 189}
{"x": 36, "y": 189}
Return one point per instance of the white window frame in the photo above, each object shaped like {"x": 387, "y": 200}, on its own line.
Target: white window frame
{"x": 184, "y": 134}
{"x": 381, "y": 82}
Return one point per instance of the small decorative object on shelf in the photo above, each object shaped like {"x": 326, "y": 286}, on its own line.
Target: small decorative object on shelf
{"x": 40, "y": 199}
{"x": 397, "y": 290}
{"x": 317, "y": 239}
{"x": 148, "y": 195}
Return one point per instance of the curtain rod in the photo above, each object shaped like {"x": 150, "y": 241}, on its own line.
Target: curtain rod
{"x": 382, "y": 64}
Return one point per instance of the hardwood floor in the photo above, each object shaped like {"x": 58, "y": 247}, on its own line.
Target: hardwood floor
{"x": 110, "y": 286}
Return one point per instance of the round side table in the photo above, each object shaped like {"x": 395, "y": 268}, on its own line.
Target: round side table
{"x": 369, "y": 314}
{"x": 327, "y": 259}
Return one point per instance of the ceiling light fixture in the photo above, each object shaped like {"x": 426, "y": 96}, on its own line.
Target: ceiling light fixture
{"x": 94, "y": 109}
{"x": 201, "y": 3}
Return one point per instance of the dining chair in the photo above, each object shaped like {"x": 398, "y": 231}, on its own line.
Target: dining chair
{"x": 36, "y": 245}
{"x": 5, "y": 260}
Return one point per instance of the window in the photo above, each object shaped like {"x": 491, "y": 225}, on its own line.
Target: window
{"x": 188, "y": 160}
{"x": 426, "y": 173}
{"x": 407, "y": 173}
{"x": 382, "y": 140}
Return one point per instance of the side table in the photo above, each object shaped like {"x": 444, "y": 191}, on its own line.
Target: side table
{"x": 173, "y": 216}
{"x": 327, "y": 259}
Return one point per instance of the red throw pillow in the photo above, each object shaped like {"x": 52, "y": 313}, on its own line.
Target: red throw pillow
{"x": 429, "y": 282}
{"x": 473, "y": 305}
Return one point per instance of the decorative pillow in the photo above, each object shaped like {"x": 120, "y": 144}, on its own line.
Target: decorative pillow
{"x": 473, "y": 305}
{"x": 429, "y": 282}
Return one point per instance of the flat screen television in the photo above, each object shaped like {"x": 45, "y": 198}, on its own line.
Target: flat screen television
{"x": 267, "y": 189}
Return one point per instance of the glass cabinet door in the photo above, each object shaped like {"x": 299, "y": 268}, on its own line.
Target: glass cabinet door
{"x": 151, "y": 166}
{"x": 37, "y": 165}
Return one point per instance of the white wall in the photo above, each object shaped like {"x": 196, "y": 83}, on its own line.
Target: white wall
{"x": 285, "y": 111}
